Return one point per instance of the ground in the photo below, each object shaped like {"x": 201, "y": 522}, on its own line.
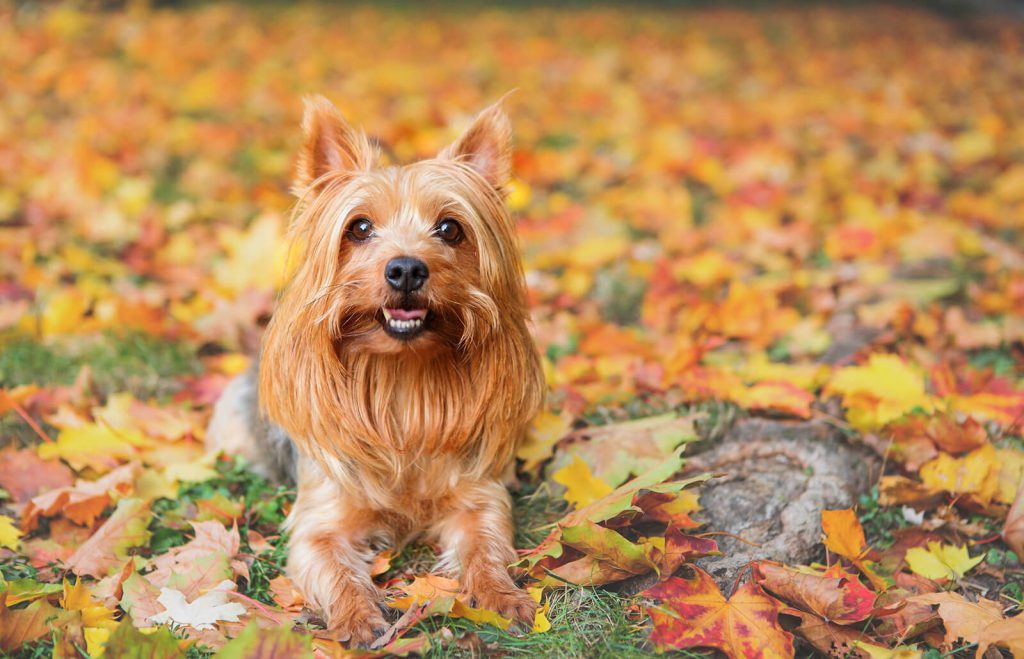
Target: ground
{"x": 775, "y": 271}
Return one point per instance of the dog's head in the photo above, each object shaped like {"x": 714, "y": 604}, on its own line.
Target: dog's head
{"x": 403, "y": 258}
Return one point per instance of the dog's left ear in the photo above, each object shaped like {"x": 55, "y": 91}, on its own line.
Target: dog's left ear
{"x": 486, "y": 146}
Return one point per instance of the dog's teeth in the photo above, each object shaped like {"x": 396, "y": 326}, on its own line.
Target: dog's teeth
{"x": 387, "y": 315}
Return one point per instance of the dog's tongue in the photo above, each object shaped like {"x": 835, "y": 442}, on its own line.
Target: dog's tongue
{"x": 407, "y": 314}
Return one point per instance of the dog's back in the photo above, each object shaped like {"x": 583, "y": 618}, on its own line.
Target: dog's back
{"x": 238, "y": 428}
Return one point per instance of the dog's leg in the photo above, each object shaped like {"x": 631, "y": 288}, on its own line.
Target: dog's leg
{"x": 476, "y": 538}
{"x": 329, "y": 556}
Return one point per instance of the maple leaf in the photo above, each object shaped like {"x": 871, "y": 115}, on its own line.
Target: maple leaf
{"x": 95, "y": 446}
{"x": 581, "y": 486}
{"x": 9, "y": 533}
{"x": 941, "y": 562}
{"x": 139, "y": 599}
{"x": 443, "y": 596}
{"x": 20, "y": 626}
{"x": 26, "y": 590}
{"x": 615, "y": 451}
{"x": 826, "y": 637}
{"x": 107, "y": 548}
{"x": 128, "y": 642}
{"x": 968, "y": 621}
{"x": 97, "y": 619}
{"x": 1013, "y": 527}
{"x": 24, "y": 475}
{"x": 201, "y": 613}
{"x": 201, "y": 563}
{"x": 845, "y": 536}
{"x": 83, "y": 502}
{"x": 882, "y": 390}
{"x": 839, "y": 599}
{"x": 257, "y": 642}
{"x": 692, "y": 613}
{"x": 545, "y": 431}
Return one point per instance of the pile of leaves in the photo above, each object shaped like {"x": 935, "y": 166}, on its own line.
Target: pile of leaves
{"x": 809, "y": 215}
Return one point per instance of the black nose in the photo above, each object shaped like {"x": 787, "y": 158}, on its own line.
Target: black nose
{"x": 406, "y": 273}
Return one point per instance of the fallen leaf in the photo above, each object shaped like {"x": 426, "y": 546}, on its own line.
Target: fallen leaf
{"x": 881, "y": 391}
{"x": 127, "y": 642}
{"x": 941, "y": 562}
{"x": 9, "y": 533}
{"x": 20, "y": 626}
{"x": 692, "y": 613}
{"x": 83, "y": 502}
{"x": 202, "y": 612}
{"x": 257, "y": 642}
{"x": 200, "y": 564}
{"x": 963, "y": 619}
{"x": 108, "y": 548}
{"x": 843, "y": 600}
{"x": 581, "y": 486}
{"x": 24, "y": 475}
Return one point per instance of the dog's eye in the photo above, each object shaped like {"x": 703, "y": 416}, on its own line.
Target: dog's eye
{"x": 449, "y": 231}
{"x": 359, "y": 230}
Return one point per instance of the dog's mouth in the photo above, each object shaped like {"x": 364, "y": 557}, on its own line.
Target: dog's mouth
{"x": 404, "y": 324}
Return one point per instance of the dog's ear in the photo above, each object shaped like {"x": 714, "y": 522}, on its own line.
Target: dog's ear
{"x": 330, "y": 144}
{"x": 486, "y": 146}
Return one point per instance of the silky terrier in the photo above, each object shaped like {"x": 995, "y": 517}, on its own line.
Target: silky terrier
{"x": 398, "y": 374}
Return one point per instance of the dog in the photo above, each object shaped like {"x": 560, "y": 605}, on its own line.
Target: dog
{"x": 397, "y": 375}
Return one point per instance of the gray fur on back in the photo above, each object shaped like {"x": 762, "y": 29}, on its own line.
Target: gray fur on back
{"x": 239, "y": 428}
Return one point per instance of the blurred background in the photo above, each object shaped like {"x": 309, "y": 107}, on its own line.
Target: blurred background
{"x": 698, "y": 189}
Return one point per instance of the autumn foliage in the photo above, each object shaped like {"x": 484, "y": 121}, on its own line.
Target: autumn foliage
{"x": 807, "y": 215}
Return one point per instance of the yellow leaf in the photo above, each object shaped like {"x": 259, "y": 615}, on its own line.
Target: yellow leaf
{"x": 78, "y": 598}
{"x": 96, "y": 640}
{"x": 941, "y": 562}
{"x": 256, "y": 258}
{"x": 64, "y": 312}
{"x": 582, "y": 487}
{"x": 9, "y": 533}
{"x": 881, "y": 652}
{"x": 547, "y": 428}
{"x": 152, "y": 484}
{"x": 540, "y": 620}
{"x": 883, "y": 390}
{"x": 975, "y": 473}
{"x": 93, "y": 445}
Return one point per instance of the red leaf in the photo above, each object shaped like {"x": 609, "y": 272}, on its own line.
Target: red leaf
{"x": 694, "y": 614}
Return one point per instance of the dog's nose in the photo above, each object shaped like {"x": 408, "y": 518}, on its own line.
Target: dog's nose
{"x": 406, "y": 273}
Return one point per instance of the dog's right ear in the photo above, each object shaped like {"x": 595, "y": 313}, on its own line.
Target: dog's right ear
{"x": 330, "y": 144}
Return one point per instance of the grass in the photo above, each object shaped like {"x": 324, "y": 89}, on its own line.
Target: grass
{"x": 585, "y": 622}
{"x": 143, "y": 364}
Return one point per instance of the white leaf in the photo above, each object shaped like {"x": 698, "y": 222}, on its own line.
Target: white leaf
{"x": 202, "y": 612}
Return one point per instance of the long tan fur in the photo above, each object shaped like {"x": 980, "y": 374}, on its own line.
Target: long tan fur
{"x": 401, "y": 438}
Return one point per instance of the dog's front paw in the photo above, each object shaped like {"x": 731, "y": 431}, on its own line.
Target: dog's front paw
{"x": 508, "y": 601}
{"x": 356, "y": 620}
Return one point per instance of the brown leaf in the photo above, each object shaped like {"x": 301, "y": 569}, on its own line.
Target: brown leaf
{"x": 20, "y": 626}
{"x": 841, "y": 599}
{"x": 834, "y": 640}
{"x": 24, "y": 474}
{"x": 963, "y": 619}
{"x": 107, "y": 549}
{"x": 1013, "y": 527}
{"x": 139, "y": 599}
